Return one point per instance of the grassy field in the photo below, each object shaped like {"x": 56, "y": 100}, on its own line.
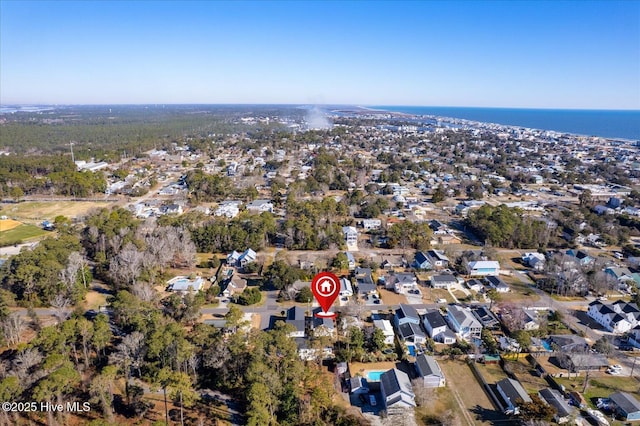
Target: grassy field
{"x": 492, "y": 373}
{"x": 470, "y": 401}
{"x": 41, "y": 210}
{"x": 21, "y": 233}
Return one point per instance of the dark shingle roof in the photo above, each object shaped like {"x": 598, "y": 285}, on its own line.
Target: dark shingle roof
{"x": 625, "y": 402}
{"x": 435, "y": 319}
{"x": 555, "y": 399}
{"x": 427, "y": 366}
{"x": 513, "y": 390}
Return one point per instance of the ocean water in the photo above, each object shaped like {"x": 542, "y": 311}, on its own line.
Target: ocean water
{"x": 622, "y": 124}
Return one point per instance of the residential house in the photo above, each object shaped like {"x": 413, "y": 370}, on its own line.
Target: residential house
{"x": 534, "y": 260}
{"x": 172, "y": 209}
{"x": 396, "y": 390}
{"x": 241, "y": 259}
{"x": 482, "y": 268}
{"x": 296, "y": 316}
{"x": 463, "y": 322}
{"x": 402, "y": 282}
{"x": 618, "y": 317}
{"x": 391, "y": 262}
{"x": 512, "y": 393}
{"x": 498, "y": 284}
{"x": 229, "y": 209}
{"x": 531, "y": 320}
{"x": 568, "y": 343}
{"x": 260, "y": 206}
{"x": 581, "y": 256}
{"x": 438, "y": 259}
{"x": 429, "y": 371}
{"x": 576, "y": 361}
{"x": 422, "y": 261}
{"x": 626, "y": 405}
{"x": 443, "y": 281}
{"x": 322, "y": 326}
{"x": 554, "y": 398}
{"x": 234, "y": 286}
{"x": 351, "y": 261}
{"x": 387, "y": 330}
{"x": 623, "y": 276}
{"x": 487, "y": 318}
{"x": 437, "y": 328}
{"x": 371, "y": 224}
{"x": 445, "y": 239}
{"x": 346, "y": 289}
{"x": 350, "y": 236}
{"x": 364, "y": 281}
{"x": 411, "y": 333}
{"x": 406, "y": 314}
{"x": 475, "y": 285}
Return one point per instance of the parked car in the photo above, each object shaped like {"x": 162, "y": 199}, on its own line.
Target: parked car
{"x": 372, "y": 400}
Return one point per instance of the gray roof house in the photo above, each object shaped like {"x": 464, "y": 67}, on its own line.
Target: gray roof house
{"x": 429, "y": 371}
{"x": 296, "y": 316}
{"x": 405, "y": 314}
{"x": 626, "y": 405}
{"x": 358, "y": 385}
{"x": 443, "y": 281}
{"x": 364, "y": 281}
{"x": 557, "y": 401}
{"x": 396, "y": 390}
{"x": 464, "y": 323}
{"x": 512, "y": 391}
{"x": 410, "y": 332}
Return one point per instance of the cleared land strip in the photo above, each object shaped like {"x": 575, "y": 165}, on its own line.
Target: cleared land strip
{"x": 469, "y": 393}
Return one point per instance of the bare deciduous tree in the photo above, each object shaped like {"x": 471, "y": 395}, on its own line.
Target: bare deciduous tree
{"x": 12, "y": 327}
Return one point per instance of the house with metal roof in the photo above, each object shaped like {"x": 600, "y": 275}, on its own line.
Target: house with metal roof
{"x": 396, "y": 390}
{"x": 512, "y": 393}
{"x": 554, "y": 398}
{"x": 429, "y": 371}
{"x": 626, "y": 405}
{"x": 483, "y": 268}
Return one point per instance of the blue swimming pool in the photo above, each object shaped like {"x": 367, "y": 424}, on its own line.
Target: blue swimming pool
{"x": 374, "y": 376}
{"x": 412, "y": 350}
{"x": 546, "y": 345}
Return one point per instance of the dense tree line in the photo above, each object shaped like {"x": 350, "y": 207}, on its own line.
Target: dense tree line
{"x": 30, "y": 175}
{"x": 243, "y": 232}
{"x": 502, "y": 226}
{"x": 53, "y": 272}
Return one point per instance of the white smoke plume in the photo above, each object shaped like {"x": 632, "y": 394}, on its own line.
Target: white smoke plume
{"x": 317, "y": 120}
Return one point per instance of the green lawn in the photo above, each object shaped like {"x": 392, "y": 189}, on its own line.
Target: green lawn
{"x": 20, "y": 234}
{"x": 601, "y": 387}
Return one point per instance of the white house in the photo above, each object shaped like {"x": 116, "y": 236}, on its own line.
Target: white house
{"x": 229, "y": 209}
{"x": 260, "y": 206}
{"x": 350, "y": 235}
{"x": 464, "y": 323}
{"x": 346, "y": 289}
{"x": 387, "y": 330}
{"x": 437, "y": 328}
{"x": 371, "y": 224}
{"x": 618, "y": 317}
{"x": 481, "y": 268}
{"x": 429, "y": 371}
{"x": 396, "y": 390}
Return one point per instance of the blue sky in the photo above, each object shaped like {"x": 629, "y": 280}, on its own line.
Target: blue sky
{"x": 505, "y": 54}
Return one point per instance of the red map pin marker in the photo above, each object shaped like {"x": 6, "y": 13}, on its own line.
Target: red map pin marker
{"x": 325, "y": 287}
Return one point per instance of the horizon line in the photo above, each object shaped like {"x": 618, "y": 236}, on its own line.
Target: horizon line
{"x": 363, "y": 106}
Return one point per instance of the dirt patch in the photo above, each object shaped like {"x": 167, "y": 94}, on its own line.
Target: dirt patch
{"x": 391, "y": 298}
{"x": 6, "y": 224}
